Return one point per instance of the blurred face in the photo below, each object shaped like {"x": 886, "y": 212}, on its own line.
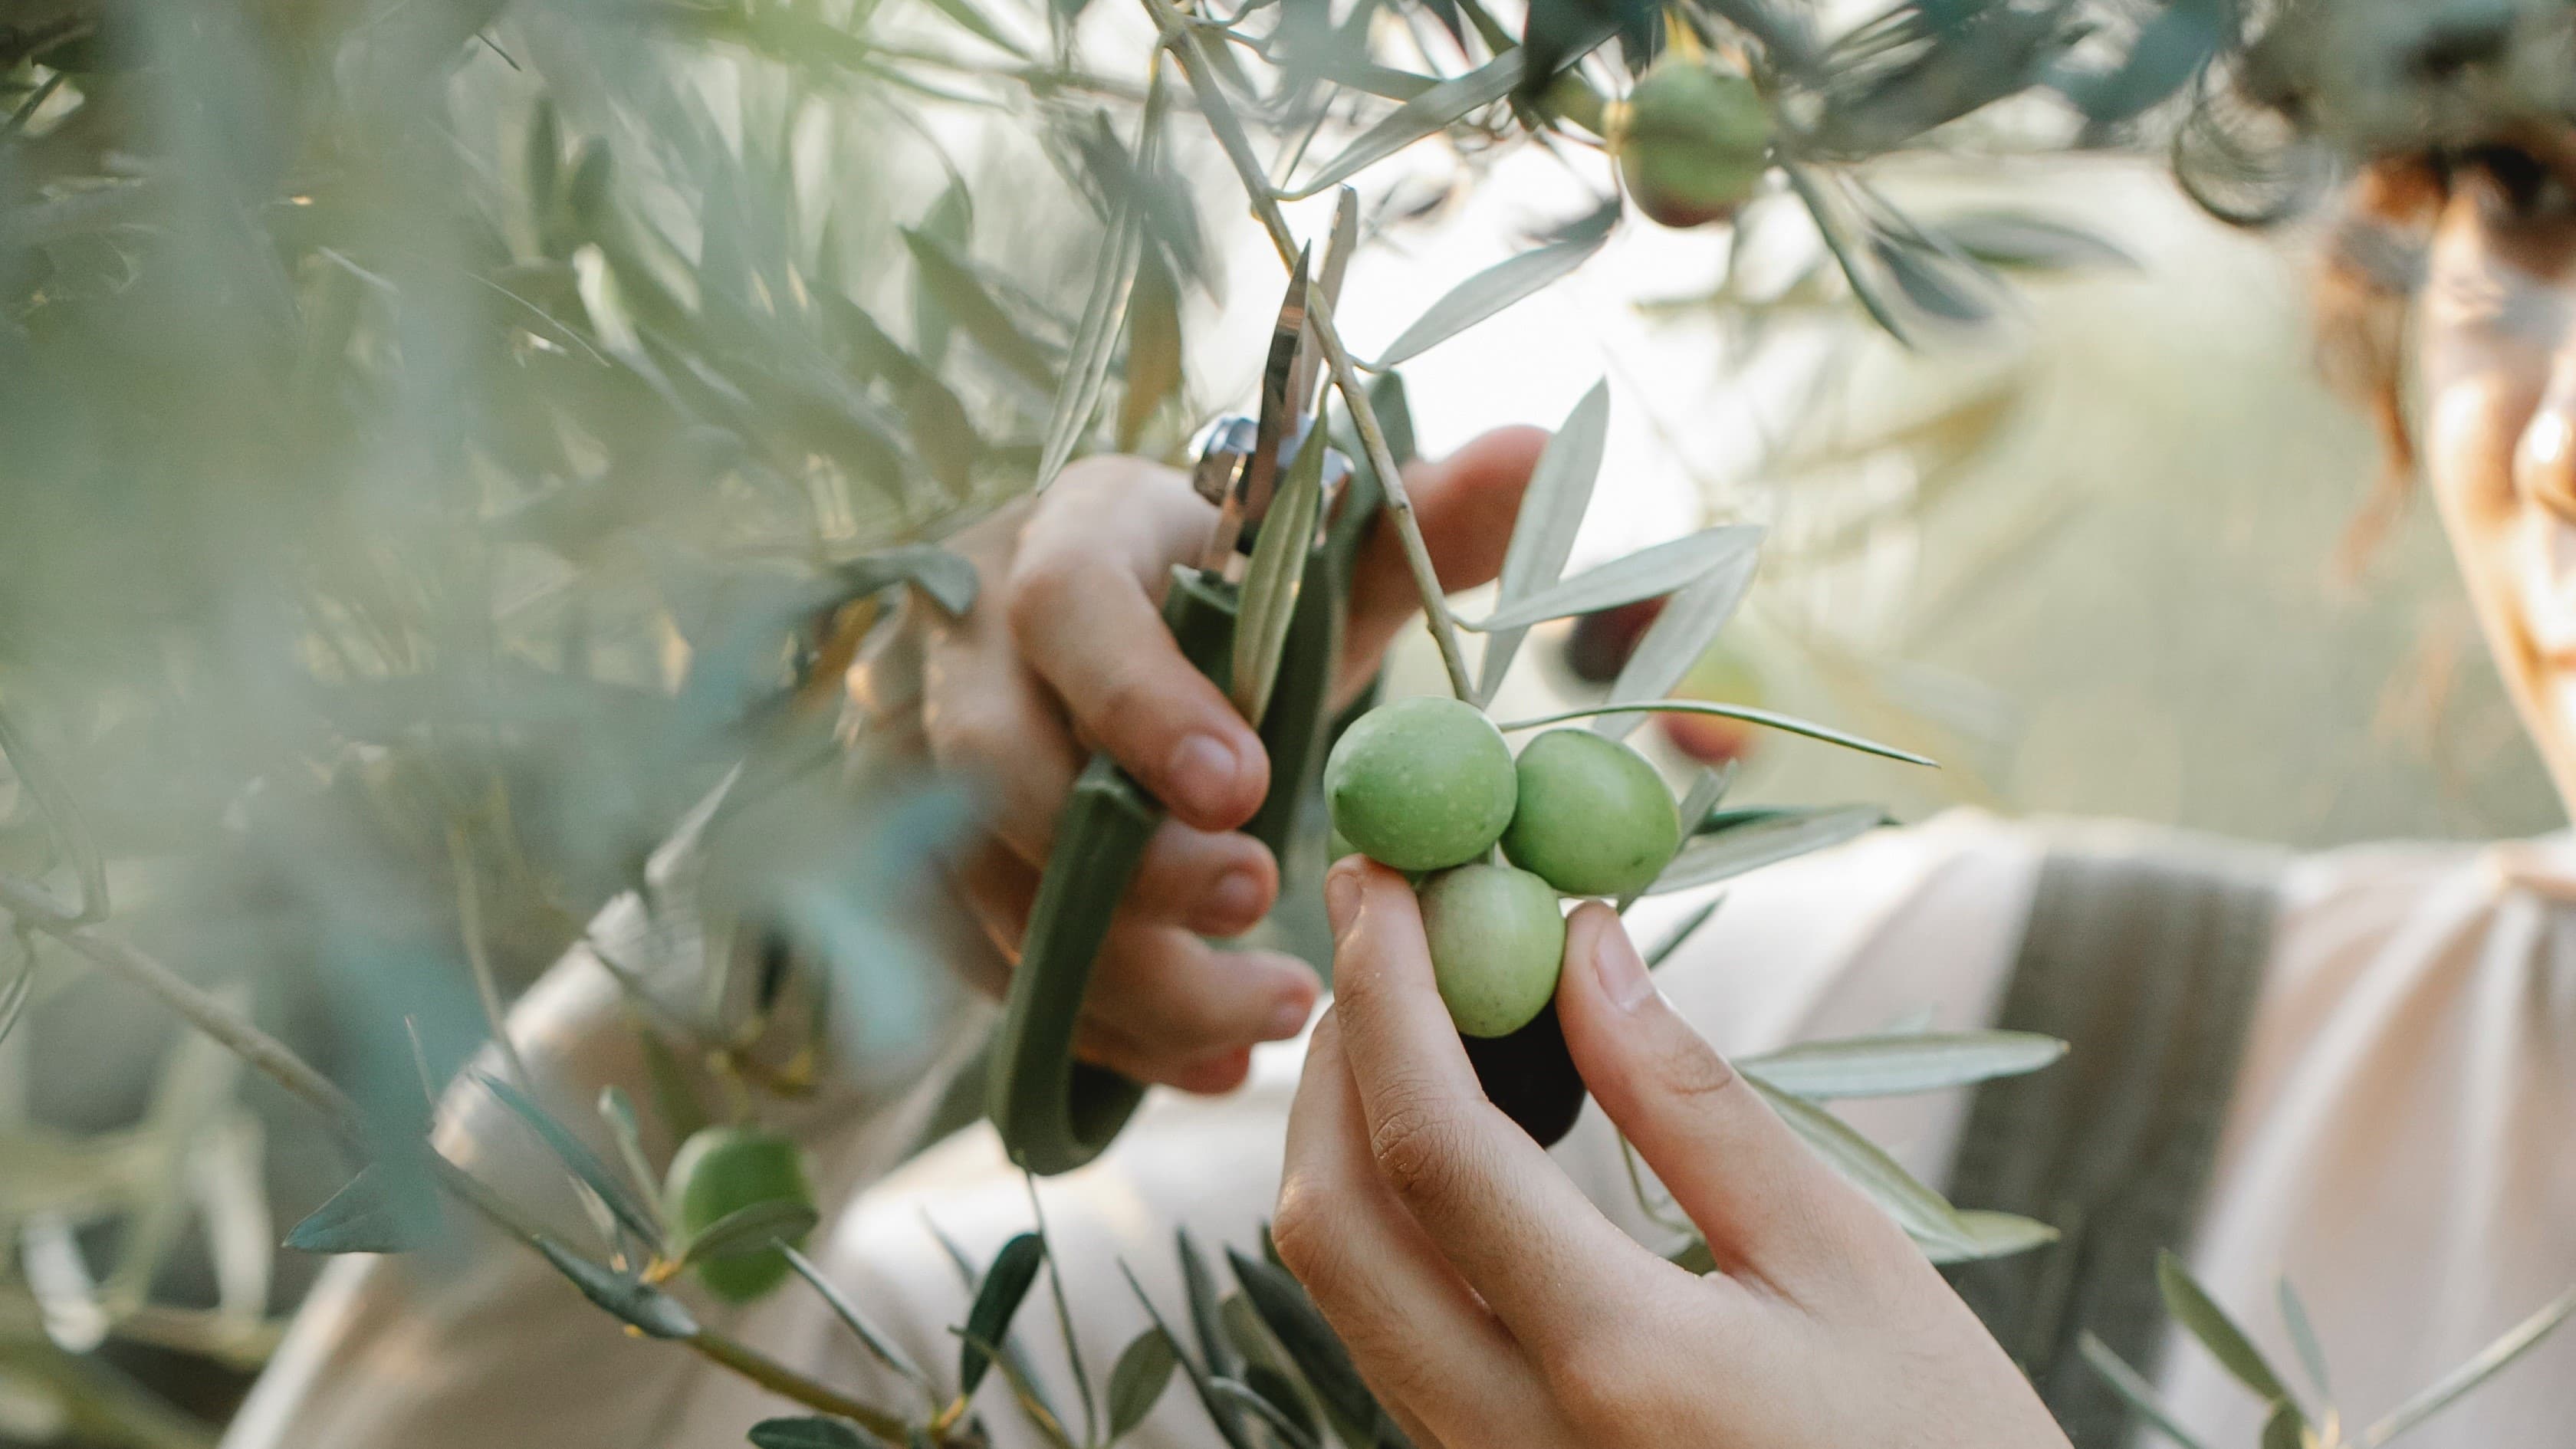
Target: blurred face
{"x": 2496, "y": 358}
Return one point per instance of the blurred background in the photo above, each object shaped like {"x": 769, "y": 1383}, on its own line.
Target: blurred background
{"x": 414, "y": 466}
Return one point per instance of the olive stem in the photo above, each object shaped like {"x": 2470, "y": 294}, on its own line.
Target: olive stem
{"x": 1186, "y": 48}
{"x": 1747, "y": 713}
{"x": 779, "y": 1379}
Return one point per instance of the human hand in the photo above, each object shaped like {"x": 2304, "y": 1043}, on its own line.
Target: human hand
{"x": 1489, "y": 1303}
{"x": 1065, "y": 652}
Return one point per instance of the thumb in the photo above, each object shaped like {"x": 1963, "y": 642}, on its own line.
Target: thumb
{"x": 1763, "y": 1201}
{"x": 1465, "y": 504}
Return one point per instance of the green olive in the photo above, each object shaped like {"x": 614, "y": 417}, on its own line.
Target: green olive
{"x": 1594, "y": 819}
{"x": 1497, "y": 941}
{"x": 720, "y": 1171}
{"x": 1421, "y": 784}
{"x": 1694, "y": 142}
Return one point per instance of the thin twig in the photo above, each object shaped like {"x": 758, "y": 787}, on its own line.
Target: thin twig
{"x": 778, "y": 1378}
{"x": 1228, "y": 127}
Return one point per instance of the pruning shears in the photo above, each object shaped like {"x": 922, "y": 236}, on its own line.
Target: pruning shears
{"x": 1261, "y": 613}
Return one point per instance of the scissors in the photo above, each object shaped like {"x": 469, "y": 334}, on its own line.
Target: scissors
{"x": 1055, "y": 1113}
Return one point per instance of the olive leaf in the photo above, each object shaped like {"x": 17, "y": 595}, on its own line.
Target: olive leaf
{"x": 1086, "y": 373}
{"x": 1024, "y": 1389}
{"x": 650, "y": 1310}
{"x": 1275, "y": 577}
{"x": 1646, "y": 574}
{"x": 968, "y": 18}
{"x": 1895, "y": 1066}
{"x": 997, "y": 1300}
{"x": 368, "y": 1215}
{"x": 1246, "y": 1397}
{"x": 1676, "y": 640}
{"x": 1207, "y": 1316}
{"x": 2518, "y": 1341}
{"x": 965, "y": 299}
{"x": 2303, "y": 1337}
{"x": 1143, "y": 1371}
{"x": 2134, "y": 1390}
{"x": 1673, "y": 940}
{"x": 811, "y": 1433}
{"x": 2193, "y": 1308}
{"x": 755, "y": 1228}
{"x": 1925, "y": 1215}
{"x": 618, "y": 1113}
{"x": 1280, "y": 1391}
{"x": 2286, "y": 1429}
{"x": 1751, "y": 846}
{"x": 877, "y": 1344}
{"x": 1991, "y": 1235}
{"x": 1551, "y": 513}
{"x": 2032, "y": 243}
{"x": 1228, "y": 1420}
{"x": 1789, "y": 723}
{"x": 635, "y": 1215}
{"x": 1499, "y": 286}
{"x": 1153, "y": 374}
{"x": 949, "y": 580}
{"x": 1293, "y": 1320}
{"x": 1426, "y": 114}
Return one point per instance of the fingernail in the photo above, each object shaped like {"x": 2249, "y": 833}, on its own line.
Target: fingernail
{"x": 1341, "y": 896}
{"x": 1287, "y": 1019}
{"x": 1203, "y": 772}
{"x": 1621, "y": 971}
{"x": 1236, "y": 900}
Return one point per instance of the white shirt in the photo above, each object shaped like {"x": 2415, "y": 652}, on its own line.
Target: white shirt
{"x": 2402, "y": 1145}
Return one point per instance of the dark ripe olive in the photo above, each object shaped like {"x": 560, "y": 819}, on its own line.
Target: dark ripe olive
{"x": 1594, "y": 819}
{"x": 720, "y": 1171}
{"x": 1531, "y": 1076}
{"x": 1421, "y": 784}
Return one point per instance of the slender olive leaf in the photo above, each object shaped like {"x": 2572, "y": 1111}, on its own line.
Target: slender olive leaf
{"x": 1276, "y": 576}
{"x": 2303, "y": 1337}
{"x": 1831, "y": 228}
{"x": 1731, "y": 853}
{"x": 618, "y": 1112}
{"x": 1280, "y": 1389}
{"x": 1896, "y": 1066}
{"x": 1551, "y": 513}
{"x": 971, "y": 19}
{"x": 1662, "y": 950}
{"x": 1939, "y": 285}
{"x": 2476, "y": 1371}
{"x": 2023, "y": 242}
{"x": 650, "y": 1310}
{"x": 951, "y": 219}
{"x": 2286, "y": 1429}
{"x": 1676, "y": 640}
{"x": 1064, "y": 1314}
{"x": 1009, "y": 1342}
{"x": 997, "y": 1300}
{"x": 813, "y": 1433}
{"x": 1143, "y": 1371}
{"x": 368, "y": 1215}
{"x": 949, "y": 580}
{"x": 544, "y": 156}
{"x": 1992, "y": 1235}
{"x": 2133, "y": 1388}
{"x": 877, "y": 1344}
{"x": 1086, "y": 372}
{"x": 1642, "y": 706}
{"x": 1242, "y": 1323}
{"x": 1153, "y": 375}
{"x": 1292, "y": 1319}
{"x": 586, "y": 198}
{"x": 20, "y": 991}
{"x": 1646, "y": 574}
{"x": 1024, "y": 1390}
{"x": 2193, "y": 1308}
{"x": 1244, "y": 1395}
{"x": 755, "y": 1228}
{"x": 1923, "y": 1213}
{"x": 1206, "y": 1316}
{"x": 579, "y": 1160}
{"x": 1426, "y": 114}
{"x": 1510, "y": 280}
{"x": 1229, "y": 1423}
{"x": 965, "y": 300}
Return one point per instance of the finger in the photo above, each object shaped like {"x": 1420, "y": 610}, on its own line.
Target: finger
{"x": 1414, "y": 1331}
{"x": 1466, "y": 504}
{"x": 1083, "y": 611}
{"x": 1765, "y": 1203}
{"x": 1512, "y": 1224}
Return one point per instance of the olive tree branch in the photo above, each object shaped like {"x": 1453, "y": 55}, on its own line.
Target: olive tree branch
{"x": 278, "y": 1062}
{"x": 1186, "y": 47}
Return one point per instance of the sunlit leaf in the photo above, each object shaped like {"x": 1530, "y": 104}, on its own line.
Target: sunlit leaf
{"x": 1144, "y": 1369}
{"x": 997, "y": 1301}
{"x": 964, "y": 299}
{"x": 976, "y": 22}
{"x": 1095, "y": 340}
{"x": 2133, "y": 1389}
{"x": 1991, "y": 1235}
{"x": 2193, "y": 1308}
{"x": 1275, "y": 577}
{"x": 1676, "y": 640}
{"x": 1731, "y": 853}
{"x": 1551, "y": 514}
{"x": 1895, "y": 1066}
{"x": 1789, "y": 723}
{"x": 656, "y": 1313}
{"x": 1426, "y": 114}
{"x": 1153, "y": 375}
{"x": 1646, "y": 574}
{"x": 1923, "y": 1213}
{"x": 1495, "y": 288}
{"x": 2489, "y": 1361}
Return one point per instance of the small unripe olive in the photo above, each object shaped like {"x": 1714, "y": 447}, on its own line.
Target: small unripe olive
{"x": 1421, "y": 784}
{"x": 1693, "y": 142}
{"x": 1594, "y": 819}
{"x": 1497, "y": 941}
{"x": 720, "y": 1171}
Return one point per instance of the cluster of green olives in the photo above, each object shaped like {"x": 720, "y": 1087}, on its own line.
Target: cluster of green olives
{"x": 1427, "y": 786}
